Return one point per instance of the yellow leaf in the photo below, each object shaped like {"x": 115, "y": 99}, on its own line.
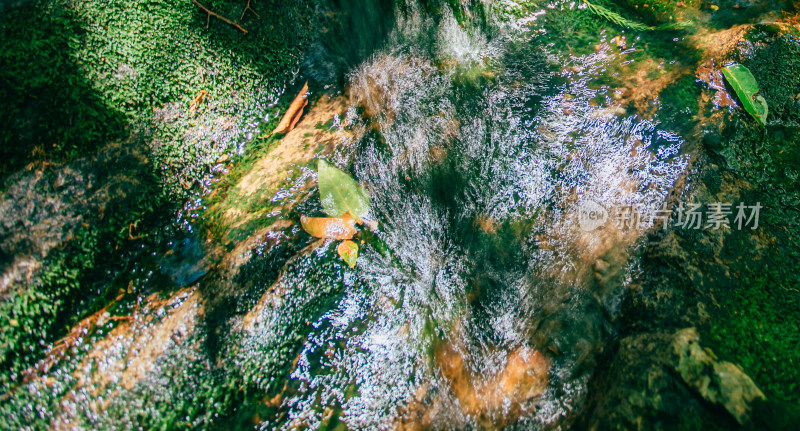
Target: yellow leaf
{"x": 330, "y": 227}
{"x": 348, "y": 250}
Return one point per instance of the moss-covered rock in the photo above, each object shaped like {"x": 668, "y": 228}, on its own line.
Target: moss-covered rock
{"x": 58, "y": 226}
{"x": 736, "y": 285}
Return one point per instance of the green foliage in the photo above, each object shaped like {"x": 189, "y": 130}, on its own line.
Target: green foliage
{"x": 615, "y": 17}
{"x": 340, "y": 193}
{"x": 664, "y": 12}
{"x": 744, "y": 84}
{"x": 633, "y": 25}
{"x": 348, "y": 251}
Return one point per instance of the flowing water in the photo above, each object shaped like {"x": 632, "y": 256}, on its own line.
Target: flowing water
{"x": 490, "y": 305}
{"x": 480, "y": 302}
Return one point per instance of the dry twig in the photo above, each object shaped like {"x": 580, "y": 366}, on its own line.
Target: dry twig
{"x": 246, "y": 8}
{"x": 220, "y": 17}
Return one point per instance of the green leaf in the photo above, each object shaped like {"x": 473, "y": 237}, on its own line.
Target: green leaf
{"x": 348, "y": 250}
{"x": 340, "y": 193}
{"x": 746, "y": 87}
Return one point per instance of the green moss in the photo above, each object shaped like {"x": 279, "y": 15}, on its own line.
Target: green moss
{"x": 30, "y": 315}
{"x": 327, "y": 126}
{"x": 67, "y": 62}
{"x": 51, "y": 111}
{"x": 776, "y": 67}
{"x": 758, "y": 322}
{"x": 680, "y": 101}
{"x": 756, "y": 317}
{"x": 763, "y": 32}
{"x": 263, "y": 362}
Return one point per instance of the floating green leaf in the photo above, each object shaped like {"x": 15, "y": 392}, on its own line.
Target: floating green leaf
{"x": 348, "y": 250}
{"x": 340, "y": 193}
{"x": 746, "y": 87}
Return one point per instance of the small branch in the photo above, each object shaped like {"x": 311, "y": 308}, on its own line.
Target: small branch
{"x": 218, "y": 16}
{"x": 246, "y": 8}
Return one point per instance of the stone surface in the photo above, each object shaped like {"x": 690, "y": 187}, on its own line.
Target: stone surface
{"x": 657, "y": 379}
{"x": 717, "y": 382}
{"x": 42, "y": 209}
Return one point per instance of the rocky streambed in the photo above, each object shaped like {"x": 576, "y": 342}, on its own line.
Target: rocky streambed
{"x": 481, "y": 300}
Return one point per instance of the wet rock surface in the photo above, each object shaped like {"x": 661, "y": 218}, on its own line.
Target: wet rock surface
{"x": 479, "y": 315}
{"x": 268, "y": 187}
{"x": 42, "y": 208}
{"x": 657, "y": 380}
{"x": 721, "y": 383}
{"x": 637, "y": 390}
{"x": 114, "y": 359}
{"x": 660, "y": 375}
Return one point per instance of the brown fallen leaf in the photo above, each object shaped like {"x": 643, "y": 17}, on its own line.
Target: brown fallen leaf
{"x": 293, "y": 114}
{"x": 330, "y": 227}
{"x": 196, "y": 103}
{"x": 297, "y": 116}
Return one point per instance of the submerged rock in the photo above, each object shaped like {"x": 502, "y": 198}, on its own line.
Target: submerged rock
{"x": 718, "y": 382}
{"x": 655, "y": 379}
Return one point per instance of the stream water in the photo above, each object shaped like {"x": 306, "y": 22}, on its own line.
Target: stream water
{"x": 488, "y": 302}
{"x": 492, "y": 304}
